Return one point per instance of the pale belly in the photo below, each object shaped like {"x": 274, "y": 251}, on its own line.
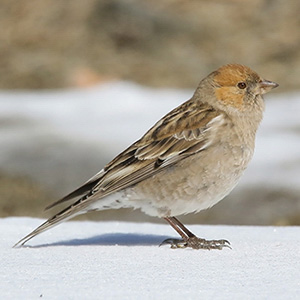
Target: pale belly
{"x": 195, "y": 184}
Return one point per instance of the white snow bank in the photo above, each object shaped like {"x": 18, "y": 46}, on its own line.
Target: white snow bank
{"x": 112, "y": 260}
{"x": 117, "y": 113}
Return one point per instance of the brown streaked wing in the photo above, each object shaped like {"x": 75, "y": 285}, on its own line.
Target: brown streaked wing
{"x": 163, "y": 145}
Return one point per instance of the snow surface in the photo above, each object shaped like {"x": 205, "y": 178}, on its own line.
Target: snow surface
{"x": 112, "y": 260}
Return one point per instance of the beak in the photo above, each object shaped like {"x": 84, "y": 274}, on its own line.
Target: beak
{"x": 266, "y": 86}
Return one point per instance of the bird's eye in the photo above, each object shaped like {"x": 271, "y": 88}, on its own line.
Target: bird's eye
{"x": 242, "y": 85}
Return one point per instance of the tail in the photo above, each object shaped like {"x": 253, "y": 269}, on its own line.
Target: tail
{"x": 71, "y": 211}
{"x": 78, "y": 207}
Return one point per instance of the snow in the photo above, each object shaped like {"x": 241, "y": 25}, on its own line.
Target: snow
{"x": 80, "y": 113}
{"x": 113, "y": 260}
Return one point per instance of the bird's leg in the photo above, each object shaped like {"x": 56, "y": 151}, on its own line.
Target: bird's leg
{"x": 190, "y": 240}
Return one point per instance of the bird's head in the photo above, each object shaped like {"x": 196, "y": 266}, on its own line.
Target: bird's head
{"x": 239, "y": 87}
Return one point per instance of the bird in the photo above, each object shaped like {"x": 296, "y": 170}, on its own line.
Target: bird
{"x": 187, "y": 162}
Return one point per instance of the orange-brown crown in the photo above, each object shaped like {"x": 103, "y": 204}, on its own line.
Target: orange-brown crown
{"x": 231, "y": 74}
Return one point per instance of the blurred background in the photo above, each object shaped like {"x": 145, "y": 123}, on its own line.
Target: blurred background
{"x": 81, "y": 80}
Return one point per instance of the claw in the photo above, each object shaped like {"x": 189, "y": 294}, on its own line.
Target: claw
{"x": 216, "y": 244}
{"x": 196, "y": 243}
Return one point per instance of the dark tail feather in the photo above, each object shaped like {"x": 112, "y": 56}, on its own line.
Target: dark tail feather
{"x": 78, "y": 192}
{"x": 69, "y": 212}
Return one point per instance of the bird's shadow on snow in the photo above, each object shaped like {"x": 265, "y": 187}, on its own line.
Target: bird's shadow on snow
{"x": 121, "y": 239}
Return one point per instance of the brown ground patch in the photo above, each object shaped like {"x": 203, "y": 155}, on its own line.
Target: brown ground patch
{"x": 159, "y": 43}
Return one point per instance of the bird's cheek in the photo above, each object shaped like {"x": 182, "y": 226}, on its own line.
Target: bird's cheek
{"x": 229, "y": 97}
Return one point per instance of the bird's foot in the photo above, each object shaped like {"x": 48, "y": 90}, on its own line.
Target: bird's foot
{"x": 196, "y": 243}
